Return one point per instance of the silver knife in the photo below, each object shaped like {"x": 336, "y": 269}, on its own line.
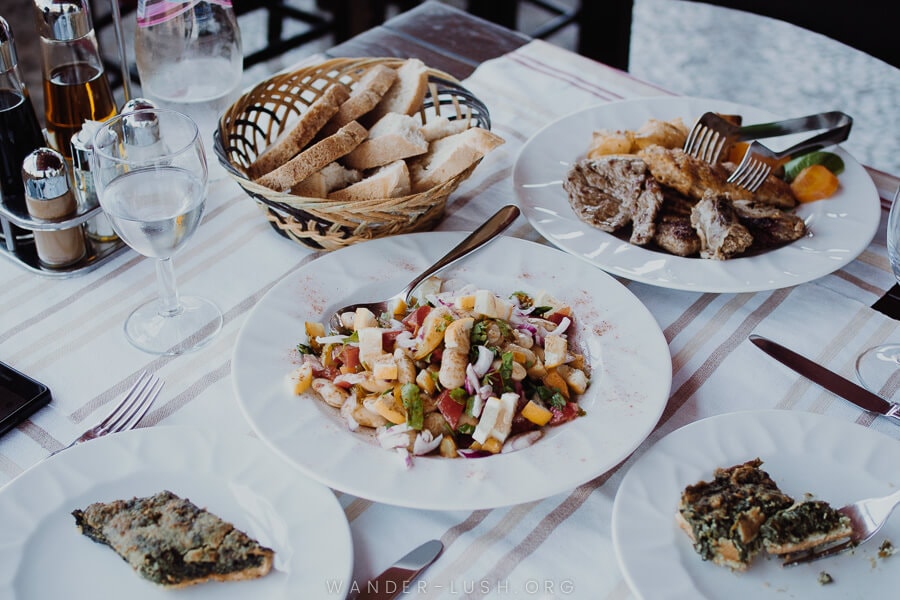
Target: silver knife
{"x": 394, "y": 580}
{"x": 829, "y": 380}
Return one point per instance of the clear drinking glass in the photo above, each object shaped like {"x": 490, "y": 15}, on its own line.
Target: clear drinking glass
{"x": 150, "y": 172}
{"x": 877, "y": 366}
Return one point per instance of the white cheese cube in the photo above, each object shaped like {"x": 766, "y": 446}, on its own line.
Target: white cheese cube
{"x": 489, "y": 415}
{"x": 503, "y": 424}
{"x": 484, "y": 303}
{"x": 502, "y": 309}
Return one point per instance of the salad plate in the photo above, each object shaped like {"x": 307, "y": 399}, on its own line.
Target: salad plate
{"x": 631, "y": 375}
{"x": 43, "y": 555}
{"x": 834, "y": 460}
{"x": 840, "y": 227}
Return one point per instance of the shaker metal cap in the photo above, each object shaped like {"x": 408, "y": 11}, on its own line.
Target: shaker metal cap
{"x": 44, "y": 174}
{"x": 8, "y": 58}
{"x": 141, "y": 128}
{"x": 62, "y": 20}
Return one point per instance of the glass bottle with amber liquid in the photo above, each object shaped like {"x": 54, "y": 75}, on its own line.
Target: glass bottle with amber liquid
{"x": 75, "y": 85}
{"x": 20, "y": 133}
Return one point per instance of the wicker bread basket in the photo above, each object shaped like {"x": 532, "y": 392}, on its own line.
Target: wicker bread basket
{"x": 249, "y": 125}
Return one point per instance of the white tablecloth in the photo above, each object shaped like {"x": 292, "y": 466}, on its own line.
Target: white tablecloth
{"x": 68, "y": 334}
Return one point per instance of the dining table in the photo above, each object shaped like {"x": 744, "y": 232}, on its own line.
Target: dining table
{"x": 67, "y": 333}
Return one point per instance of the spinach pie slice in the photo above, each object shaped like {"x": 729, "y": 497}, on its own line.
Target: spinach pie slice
{"x": 172, "y": 542}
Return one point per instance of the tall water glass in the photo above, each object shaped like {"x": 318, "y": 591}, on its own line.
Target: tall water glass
{"x": 878, "y": 368}
{"x": 150, "y": 172}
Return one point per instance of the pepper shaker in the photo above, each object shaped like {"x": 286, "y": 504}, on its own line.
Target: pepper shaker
{"x": 48, "y": 197}
{"x": 97, "y": 228}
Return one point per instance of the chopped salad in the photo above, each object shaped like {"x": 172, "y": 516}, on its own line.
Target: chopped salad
{"x": 464, "y": 372}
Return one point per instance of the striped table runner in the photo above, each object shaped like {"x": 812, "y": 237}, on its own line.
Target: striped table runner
{"x": 67, "y": 333}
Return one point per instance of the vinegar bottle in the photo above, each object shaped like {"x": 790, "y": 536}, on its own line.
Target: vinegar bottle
{"x": 75, "y": 85}
{"x": 20, "y": 133}
{"x": 189, "y": 58}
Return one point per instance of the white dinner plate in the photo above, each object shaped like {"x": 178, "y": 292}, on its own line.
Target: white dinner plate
{"x": 43, "y": 555}
{"x": 841, "y": 227}
{"x": 837, "y": 461}
{"x": 631, "y": 375}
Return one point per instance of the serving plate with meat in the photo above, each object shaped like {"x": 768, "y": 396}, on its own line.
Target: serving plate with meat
{"x": 664, "y": 217}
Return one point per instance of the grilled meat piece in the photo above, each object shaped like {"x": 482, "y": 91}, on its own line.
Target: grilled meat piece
{"x": 646, "y": 208}
{"x": 769, "y": 226}
{"x": 692, "y": 177}
{"x": 674, "y": 232}
{"x": 603, "y": 191}
{"x": 721, "y": 234}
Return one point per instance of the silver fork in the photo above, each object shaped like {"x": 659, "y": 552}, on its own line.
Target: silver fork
{"x": 127, "y": 413}
{"x": 867, "y": 517}
{"x": 754, "y": 169}
{"x": 711, "y": 133}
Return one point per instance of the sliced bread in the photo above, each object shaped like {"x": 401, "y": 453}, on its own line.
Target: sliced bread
{"x": 390, "y": 181}
{"x": 333, "y": 176}
{"x": 367, "y": 92}
{"x": 406, "y": 94}
{"x": 442, "y": 127}
{"x": 449, "y": 156}
{"x": 314, "y": 158}
{"x": 393, "y": 137}
{"x": 293, "y": 139}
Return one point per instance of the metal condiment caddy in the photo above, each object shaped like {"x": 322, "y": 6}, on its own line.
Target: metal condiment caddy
{"x": 25, "y": 254}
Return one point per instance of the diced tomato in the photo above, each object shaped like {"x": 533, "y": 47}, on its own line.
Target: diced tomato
{"x": 414, "y": 320}
{"x": 328, "y": 373}
{"x": 388, "y": 339}
{"x": 450, "y": 408}
{"x": 558, "y": 316}
{"x": 570, "y": 411}
{"x": 349, "y": 357}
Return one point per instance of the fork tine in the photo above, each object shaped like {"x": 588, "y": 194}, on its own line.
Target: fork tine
{"x": 116, "y": 413}
{"x": 799, "y": 558}
{"x": 140, "y": 408}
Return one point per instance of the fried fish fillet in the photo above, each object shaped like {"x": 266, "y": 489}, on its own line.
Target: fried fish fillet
{"x": 692, "y": 177}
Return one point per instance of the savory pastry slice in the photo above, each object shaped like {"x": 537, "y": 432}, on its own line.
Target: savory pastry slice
{"x": 724, "y": 517}
{"x": 172, "y": 542}
{"x": 803, "y": 527}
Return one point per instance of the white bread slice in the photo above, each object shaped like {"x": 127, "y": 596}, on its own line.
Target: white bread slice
{"x": 442, "y": 127}
{"x": 293, "y": 139}
{"x": 314, "y": 158}
{"x": 367, "y": 92}
{"x": 393, "y": 137}
{"x": 390, "y": 181}
{"x": 333, "y": 176}
{"x": 449, "y": 156}
{"x": 406, "y": 94}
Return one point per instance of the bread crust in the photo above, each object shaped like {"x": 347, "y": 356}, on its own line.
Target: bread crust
{"x": 390, "y": 181}
{"x": 449, "y": 156}
{"x": 315, "y": 157}
{"x": 406, "y": 94}
{"x": 292, "y": 141}
{"x": 364, "y": 96}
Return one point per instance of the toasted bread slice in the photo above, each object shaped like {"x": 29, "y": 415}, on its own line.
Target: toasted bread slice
{"x": 315, "y": 158}
{"x": 295, "y": 138}
{"x": 390, "y": 181}
{"x": 393, "y": 137}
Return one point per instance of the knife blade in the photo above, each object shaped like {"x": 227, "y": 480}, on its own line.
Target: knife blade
{"x": 829, "y": 380}
{"x": 393, "y": 580}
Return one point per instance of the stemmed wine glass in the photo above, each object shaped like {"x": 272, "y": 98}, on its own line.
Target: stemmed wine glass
{"x": 150, "y": 172}
{"x": 876, "y": 366}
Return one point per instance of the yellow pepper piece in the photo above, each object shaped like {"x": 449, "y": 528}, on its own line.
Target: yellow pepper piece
{"x": 492, "y": 445}
{"x": 536, "y": 413}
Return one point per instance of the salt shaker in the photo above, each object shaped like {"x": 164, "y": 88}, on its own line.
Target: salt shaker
{"x": 48, "y": 197}
{"x": 97, "y": 228}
